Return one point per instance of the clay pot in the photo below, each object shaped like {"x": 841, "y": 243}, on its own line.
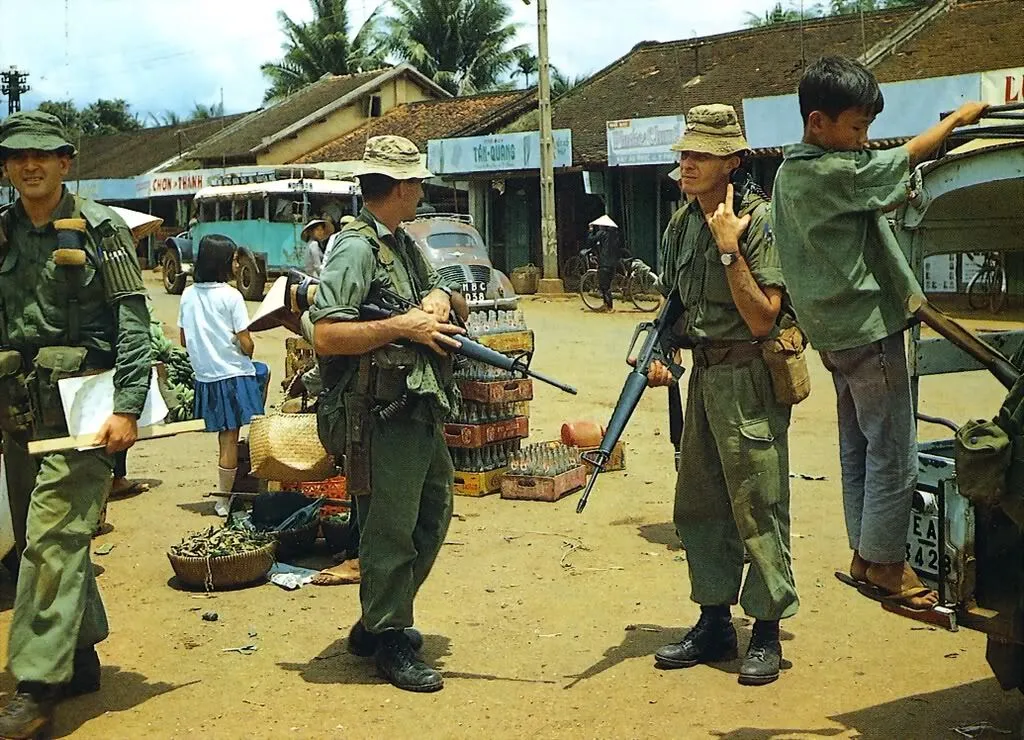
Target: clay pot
{"x": 582, "y": 433}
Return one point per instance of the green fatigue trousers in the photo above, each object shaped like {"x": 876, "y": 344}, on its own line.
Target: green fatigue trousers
{"x": 55, "y": 502}
{"x": 732, "y": 491}
{"x": 404, "y": 520}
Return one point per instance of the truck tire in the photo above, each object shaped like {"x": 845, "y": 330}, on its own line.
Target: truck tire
{"x": 174, "y": 278}
{"x": 250, "y": 280}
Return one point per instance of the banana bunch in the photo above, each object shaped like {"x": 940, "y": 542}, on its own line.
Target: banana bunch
{"x": 181, "y": 379}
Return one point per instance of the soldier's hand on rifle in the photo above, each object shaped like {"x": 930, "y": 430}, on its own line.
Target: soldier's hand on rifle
{"x": 420, "y": 326}
{"x": 657, "y": 374}
{"x": 118, "y": 433}
{"x": 438, "y": 304}
{"x": 726, "y": 226}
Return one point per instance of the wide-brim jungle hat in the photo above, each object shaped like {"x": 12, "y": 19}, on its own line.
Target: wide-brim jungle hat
{"x": 712, "y": 129}
{"x": 394, "y": 156}
{"x": 34, "y": 130}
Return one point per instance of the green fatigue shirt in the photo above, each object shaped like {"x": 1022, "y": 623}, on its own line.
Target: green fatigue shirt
{"x": 828, "y": 213}
{"x": 368, "y": 257}
{"x": 691, "y": 263}
{"x": 39, "y": 304}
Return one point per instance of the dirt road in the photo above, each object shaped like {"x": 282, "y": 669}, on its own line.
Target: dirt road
{"x": 542, "y": 621}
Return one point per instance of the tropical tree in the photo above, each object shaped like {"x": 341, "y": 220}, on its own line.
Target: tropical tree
{"x": 463, "y": 45}
{"x": 780, "y": 14}
{"x": 201, "y": 112}
{"x": 562, "y": 83}
{"x": 322, "y": 46}
{"x": 527, "y": 64}
{"x": 96, "y": 119}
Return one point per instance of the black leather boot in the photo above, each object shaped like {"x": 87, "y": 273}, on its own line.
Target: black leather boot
{"x": 764, "y": 655}
{"x": 363, "y": 644}
{"x": 86, "y": 676}
{"x": 712, "y": 639}
{"x": 29, "y": 714}
{"x": 398, "y": 663}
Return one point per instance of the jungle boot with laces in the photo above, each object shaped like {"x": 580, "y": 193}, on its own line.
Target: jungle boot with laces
{"x": 712, "y": 639}
{"x": 764, "y": 655}
{"x": 29, "y": 714}
{"x": 398, "y": 663}
{"x": 363, "y": 643}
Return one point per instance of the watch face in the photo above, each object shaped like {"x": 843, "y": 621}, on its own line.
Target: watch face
{"x": 728, "y": 258}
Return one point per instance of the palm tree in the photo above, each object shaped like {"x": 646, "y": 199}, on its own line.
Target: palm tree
{"x": 779, "y": 14}
{"x": 201, "y": 112}
{"x": 526, "y": 65}
{"x": 167, "y": 118}
{"x": 322, "y": 46}
{"x": 562, "y": 83}
{"x": 463, "y": 45}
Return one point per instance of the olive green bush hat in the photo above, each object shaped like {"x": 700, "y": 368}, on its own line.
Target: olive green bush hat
{"x": 712, "y": 129}
{"x": 394, "y": 156}
{"x": 34, "y": 129}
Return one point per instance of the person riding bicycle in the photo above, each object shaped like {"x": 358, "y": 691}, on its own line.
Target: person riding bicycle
{"x": 607, "y": 241}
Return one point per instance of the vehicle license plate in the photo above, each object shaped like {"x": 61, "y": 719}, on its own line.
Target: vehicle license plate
{"x": 923, "y": 543}
{"x": 474, "y": 290}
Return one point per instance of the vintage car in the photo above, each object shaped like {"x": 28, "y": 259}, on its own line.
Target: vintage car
{"x": 970, "y": 550}
{"x": 454, "y": 248}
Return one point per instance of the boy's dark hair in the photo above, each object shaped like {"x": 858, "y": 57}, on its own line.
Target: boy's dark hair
{"x": 213, "y": 263}
{"x": 375, "y": 186}
{"x": 835, "y": 84}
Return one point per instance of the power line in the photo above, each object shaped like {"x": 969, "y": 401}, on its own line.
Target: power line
{"x": 12, "y": 84}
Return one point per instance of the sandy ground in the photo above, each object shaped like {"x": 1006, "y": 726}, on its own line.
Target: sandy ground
{"x": 542, "y": 621}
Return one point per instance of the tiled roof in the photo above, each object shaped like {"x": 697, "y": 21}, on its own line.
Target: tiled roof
{"x": 135, "y": 152}
{"x": 432, "y": 119}
{"x": 657, "y": 79}
{"x": 240, "y": 139}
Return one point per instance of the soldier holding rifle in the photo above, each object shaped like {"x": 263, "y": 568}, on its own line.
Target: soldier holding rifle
{"x": 732, "y": 492}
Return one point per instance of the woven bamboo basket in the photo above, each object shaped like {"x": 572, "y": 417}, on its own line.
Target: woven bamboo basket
{"x": 286, "y": 447}
{"x": 297, "y": 541}
{"x": 225, "y": 571}
{"x": 336, "y": 534}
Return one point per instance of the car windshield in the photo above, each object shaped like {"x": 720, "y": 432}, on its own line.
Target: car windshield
{"x": 452, "y": 240}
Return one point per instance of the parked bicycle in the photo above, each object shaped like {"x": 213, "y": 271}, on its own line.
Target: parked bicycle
{"x": 987, "y": 289}
{"x": 633, "y": 281}
{"x": 574, "y": 268}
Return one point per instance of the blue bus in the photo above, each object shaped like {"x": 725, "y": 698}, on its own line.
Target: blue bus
{"x": 265, "y": 219}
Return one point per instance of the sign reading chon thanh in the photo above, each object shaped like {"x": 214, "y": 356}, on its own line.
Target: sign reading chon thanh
{"x": 519, "y": 151}
{"x": 636, "y": 141}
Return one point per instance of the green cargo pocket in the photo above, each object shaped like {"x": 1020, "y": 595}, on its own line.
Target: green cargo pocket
{"x": 51, "y": 365}
{"x": 330, "y": 421}
{"x": 757, "y": 430}
{"x": 982, "y": 450}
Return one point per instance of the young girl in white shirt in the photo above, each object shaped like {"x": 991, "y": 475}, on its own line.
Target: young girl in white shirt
{"x": 213, "y": 321}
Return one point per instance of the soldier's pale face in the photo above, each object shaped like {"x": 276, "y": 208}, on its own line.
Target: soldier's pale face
{"x": 37, "y": 175}
{"x": 702, "y": 173}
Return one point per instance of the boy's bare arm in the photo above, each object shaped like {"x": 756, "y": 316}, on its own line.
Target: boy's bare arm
{"x": 927, "y": 142}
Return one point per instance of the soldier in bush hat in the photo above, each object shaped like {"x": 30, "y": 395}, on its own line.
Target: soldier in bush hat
{"x": 384, "y": 405}
{"x": 732, "y": 491}
{"x": 71, "y": 301}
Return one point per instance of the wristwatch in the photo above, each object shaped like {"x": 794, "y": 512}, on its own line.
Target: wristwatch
{"x": 728, "y": 258}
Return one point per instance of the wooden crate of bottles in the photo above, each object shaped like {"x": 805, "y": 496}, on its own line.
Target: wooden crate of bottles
{"x": 478, "y": 471}
{"x": 544, "y": 471}
{"x": 502, "y": 331}
{"x": 617, "y": 460}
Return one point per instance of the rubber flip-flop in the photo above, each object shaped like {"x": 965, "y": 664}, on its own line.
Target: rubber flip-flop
{"x": 901, "y": 599}
{"x": 134, "y": 488}
{"x": 845, "y": 578}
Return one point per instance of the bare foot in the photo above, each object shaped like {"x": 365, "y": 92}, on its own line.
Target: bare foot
{"x": 121, "y": 487}
{"x": 859, "y": 567}
{"x": 902, "y": 585}
{"x": 339, "y": 575}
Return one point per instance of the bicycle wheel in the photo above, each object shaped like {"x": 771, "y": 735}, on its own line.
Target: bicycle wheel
{"x": 573, "y": 270}
{"x": 590, "y": 292}
{"x": 642, "y": 289}
{"x": 997, "y": 296}
{"x": 981, "y": 287}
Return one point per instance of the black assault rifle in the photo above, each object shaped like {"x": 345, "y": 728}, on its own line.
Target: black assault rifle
{"x": 384, "y": 304}
{"x": 660, "y": 344}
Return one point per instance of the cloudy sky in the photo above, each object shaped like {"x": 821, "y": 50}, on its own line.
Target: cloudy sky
{"x": 162, "y": 55}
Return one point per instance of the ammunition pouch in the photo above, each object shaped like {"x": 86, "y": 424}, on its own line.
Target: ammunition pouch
{"x": 51, "y": 365}
{"x": 787, "y": 365}
{"x": 15, "y": 406}
{"x": 391, "y": 367}
{"x": 983, "y": 452}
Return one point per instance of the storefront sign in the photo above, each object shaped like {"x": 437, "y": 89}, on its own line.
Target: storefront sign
{"x": 638, "y": 141}
{"x": 519, "y": 151}
{"x": 1003, "y": 86}
{"x": 188, "y": 182}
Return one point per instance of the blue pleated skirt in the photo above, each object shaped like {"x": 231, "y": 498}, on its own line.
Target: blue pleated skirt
{"x": 231, "y": 403}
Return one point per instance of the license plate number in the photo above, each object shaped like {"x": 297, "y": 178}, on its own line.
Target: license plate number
{"x": 923, "y": 543}
{"x": 474, "y": 290}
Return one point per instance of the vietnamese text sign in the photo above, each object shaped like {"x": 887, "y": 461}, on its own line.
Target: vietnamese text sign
{"x": 638, "y": 141}
{"x": 1002, "y": 87}
{"x": 518, "y": 151}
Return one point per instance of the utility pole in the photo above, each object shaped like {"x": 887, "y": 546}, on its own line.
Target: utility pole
{"x": 12, "y": 84}
{"x": 550, "y": 283}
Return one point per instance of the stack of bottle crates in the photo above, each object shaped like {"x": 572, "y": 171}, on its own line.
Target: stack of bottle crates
{"x": 486, "y": 432}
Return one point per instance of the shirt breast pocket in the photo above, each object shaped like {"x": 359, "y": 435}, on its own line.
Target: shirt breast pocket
{"x": 716, "y": 284}
{"x": 65, "y": 288}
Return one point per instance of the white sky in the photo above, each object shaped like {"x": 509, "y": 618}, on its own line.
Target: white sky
{"x": 164, "y": 55}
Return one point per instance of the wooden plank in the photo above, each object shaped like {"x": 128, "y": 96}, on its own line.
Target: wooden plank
{"x": 85, "y": 441}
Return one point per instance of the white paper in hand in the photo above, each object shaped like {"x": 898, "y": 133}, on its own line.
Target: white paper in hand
{"x": 89, "y": 401}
